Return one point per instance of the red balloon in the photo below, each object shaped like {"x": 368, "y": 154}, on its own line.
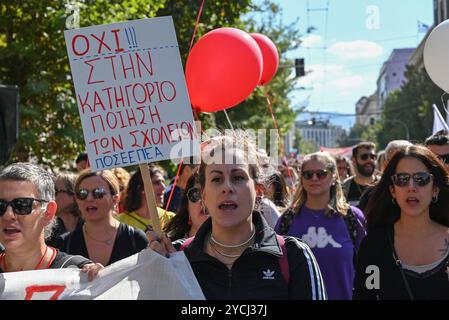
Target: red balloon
{"x": 270, "y": 57}
{"x": 222, "y": 69}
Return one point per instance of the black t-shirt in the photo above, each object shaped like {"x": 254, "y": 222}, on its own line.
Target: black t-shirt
{"x": 128, "y": 241}
{"x": 355, "y": 193}
{"x": 59, "y": 230}
{"x": 64, "y": 260}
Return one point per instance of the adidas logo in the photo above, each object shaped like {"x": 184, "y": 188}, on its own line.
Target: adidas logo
{"x": 268, "y": 275}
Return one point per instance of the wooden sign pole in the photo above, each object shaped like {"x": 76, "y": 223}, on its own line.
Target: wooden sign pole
{"x": 151, "y": 201}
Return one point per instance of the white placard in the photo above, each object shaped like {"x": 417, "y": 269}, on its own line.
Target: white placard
{"x": 131, "y": 93}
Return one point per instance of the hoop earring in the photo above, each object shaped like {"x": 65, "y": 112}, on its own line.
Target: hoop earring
{"x": 435, "y": 199}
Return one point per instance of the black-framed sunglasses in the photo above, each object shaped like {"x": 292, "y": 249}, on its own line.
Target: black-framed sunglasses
{"x": 366, "y": 156}
{"x": 20, "y": 206}
{"x": 320, "y": 174}
{"x": 97, "y": 193}
{"x": 194, "y": 195}
{"x": 421, "y": 179}
{"x": 444, "y": 158}
{"x": 70, "y": 193}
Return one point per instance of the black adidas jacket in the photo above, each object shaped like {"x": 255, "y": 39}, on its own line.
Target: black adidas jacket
{"x": 256, "y": 274}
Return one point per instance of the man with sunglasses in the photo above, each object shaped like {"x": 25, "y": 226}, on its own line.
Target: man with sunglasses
{"x": 438, "y": 143}
{"x": 364, "y": 162}
{"x": 27, "y": 211}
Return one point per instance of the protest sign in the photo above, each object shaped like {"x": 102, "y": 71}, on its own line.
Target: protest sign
{"x": 143, "y": 276}
{"x": 131, "y": 93}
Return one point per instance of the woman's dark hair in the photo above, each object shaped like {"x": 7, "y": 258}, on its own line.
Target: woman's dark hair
{"x": 133, "y": 195}
{"x": 280, "y": 194}
{"x": 178, "y": 227}
{"x": 381, "y": 211}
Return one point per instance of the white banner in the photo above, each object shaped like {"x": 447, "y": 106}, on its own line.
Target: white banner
{"x": 144, "y": 276}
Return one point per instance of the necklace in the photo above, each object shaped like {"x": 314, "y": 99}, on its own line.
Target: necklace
{"x": 108, "y": 242}
{"x": 222, "y": 253}
{"x": 3, "y": 257}
{"x": 234, "y": 245}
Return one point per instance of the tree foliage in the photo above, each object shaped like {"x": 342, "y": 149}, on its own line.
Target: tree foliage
{"x": 33, "y": 56}
{"x": 254, "y": 111}
{"x": 411, "y": 107}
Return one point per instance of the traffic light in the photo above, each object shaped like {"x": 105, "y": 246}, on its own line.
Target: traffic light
{"x": 9, "y": 120}
{"x": 299, "y": 67}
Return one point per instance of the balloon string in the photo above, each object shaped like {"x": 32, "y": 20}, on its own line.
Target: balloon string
{"x": 171, "y": 192}
{"x": 229, "y": 120}
{"x": 265, "y": 92}
{"x": 196, "y": 25}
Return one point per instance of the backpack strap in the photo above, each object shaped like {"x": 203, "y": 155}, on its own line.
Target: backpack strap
{"x": 286, "y": 220}
{"x": 186, "y": 243}
{"x": 351, "y": 223}
{"x": 283, "y": 260}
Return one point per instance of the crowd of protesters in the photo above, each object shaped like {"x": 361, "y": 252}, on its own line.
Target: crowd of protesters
{"x": 369, "y": 226}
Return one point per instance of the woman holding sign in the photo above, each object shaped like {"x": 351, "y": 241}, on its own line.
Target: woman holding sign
{"x": 27, "y": 211}
{"x": 102, "y": 238}
{"x": 235, "y": 254}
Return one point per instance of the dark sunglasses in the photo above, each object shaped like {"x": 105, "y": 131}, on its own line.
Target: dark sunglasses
{"x": 20, "y": 206}
{"x": 70, "y": 193}
{"x": 444, "y": 157}
{"x": 97, "y": 193}
{"x": 194, "y": 195}
{"x": 421, "y": 179}
{"x": 365, "y": 156}
{"x": 320, "y": 174}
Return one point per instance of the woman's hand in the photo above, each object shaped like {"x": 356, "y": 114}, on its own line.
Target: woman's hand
{"x": 163, "y": 245}
{"x": 92, "y": 270}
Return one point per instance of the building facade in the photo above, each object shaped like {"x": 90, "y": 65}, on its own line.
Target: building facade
{"x": 392, "y": 74}
{"x": 368, "y": 110}
{"x": 321, "y": 133}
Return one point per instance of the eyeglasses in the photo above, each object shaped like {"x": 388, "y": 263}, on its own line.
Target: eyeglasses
{"x": 20, "y": 206}
{"x": 194, "y": 195}
{"x": 421, "y": 179}
{"x": 70, "y": 193}
{"x": 444, "y": 157}
{"x": 97, "y": 193}
{"x": 365, "y": 156}
{"x": 320, "y": 174}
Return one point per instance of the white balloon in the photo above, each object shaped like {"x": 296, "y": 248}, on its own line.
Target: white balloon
{"x": 436, "y": 55}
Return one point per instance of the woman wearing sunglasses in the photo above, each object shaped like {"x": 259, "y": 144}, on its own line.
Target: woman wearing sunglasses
{"x": 320, "y": 216}
{"x": 27, "y": 211}
{"x": 235, "y": 254}
{"x": 191, "y": 214}
{"x": 102, "y": 238}
{"x": 406, "y": 252}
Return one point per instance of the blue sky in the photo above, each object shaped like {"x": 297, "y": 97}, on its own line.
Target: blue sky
{"x": 359, "y": 36}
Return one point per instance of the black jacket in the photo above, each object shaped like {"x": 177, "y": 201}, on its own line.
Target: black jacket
{"x": 256, "y": 274}
{"x": 377, "y": 252}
